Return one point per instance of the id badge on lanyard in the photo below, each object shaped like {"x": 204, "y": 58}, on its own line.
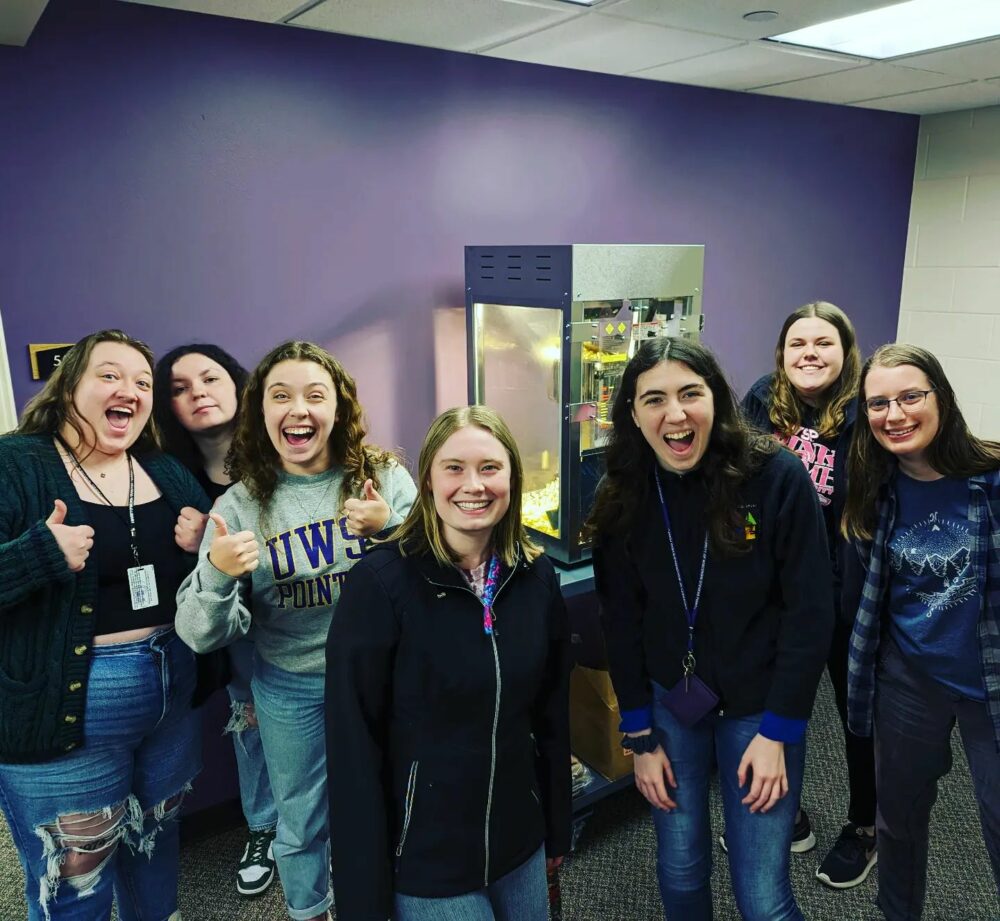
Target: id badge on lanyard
{"x": 141, "y": 579}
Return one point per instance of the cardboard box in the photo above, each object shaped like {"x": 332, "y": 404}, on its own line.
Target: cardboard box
{"x": 593, "y": 723}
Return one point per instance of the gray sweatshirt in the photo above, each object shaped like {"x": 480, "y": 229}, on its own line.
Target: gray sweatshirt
{"x": 286, "y": 604}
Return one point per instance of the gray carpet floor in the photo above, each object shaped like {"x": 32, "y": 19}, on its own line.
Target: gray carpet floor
{"x": 611, "y": 876}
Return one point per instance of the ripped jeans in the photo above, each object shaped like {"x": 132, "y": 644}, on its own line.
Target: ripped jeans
{"x": 100, "y": 823}
{"x": 255, "y": 785}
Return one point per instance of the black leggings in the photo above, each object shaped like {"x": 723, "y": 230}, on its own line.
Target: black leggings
{"x": 860, "y": 750}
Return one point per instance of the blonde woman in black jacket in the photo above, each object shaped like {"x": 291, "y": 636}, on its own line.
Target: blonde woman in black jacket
{"x": 447, "y": 699}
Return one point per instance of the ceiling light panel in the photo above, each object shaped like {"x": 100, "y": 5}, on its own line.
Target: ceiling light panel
{"x": 903, "y": 28}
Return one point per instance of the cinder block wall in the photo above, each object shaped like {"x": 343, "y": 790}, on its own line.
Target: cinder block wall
{"x": 950, "y": 300}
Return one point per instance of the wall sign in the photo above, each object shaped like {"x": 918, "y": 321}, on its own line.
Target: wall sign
{"x": 46, "y": 357}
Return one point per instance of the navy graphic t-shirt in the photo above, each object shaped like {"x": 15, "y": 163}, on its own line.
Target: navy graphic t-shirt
{"x": 934, "y": 601}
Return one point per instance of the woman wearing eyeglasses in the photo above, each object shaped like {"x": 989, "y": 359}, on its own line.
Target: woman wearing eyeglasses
{"x": 923, "y": 507}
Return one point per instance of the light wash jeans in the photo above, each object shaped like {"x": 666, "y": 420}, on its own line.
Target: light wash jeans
{"x": 255, "y": 785}
{"x": 290, "y": 710}
{"x": 521, "y": 895}
{"x": 759, "y": 843}
{"x": 142, "y": 747}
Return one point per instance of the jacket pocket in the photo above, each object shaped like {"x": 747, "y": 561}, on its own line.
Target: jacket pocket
{"x": 411, "y": 791}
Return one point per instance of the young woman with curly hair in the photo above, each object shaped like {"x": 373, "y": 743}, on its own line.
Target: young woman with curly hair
{"x": 277, "y": 548}
{"x": 808, "y": 404}
{"x": 712, "y": 572}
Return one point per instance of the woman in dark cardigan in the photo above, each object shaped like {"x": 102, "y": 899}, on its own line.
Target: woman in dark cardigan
{"x": 98, "y": 739}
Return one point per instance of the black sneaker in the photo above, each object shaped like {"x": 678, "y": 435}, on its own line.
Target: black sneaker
{"x": 850, "y": 860}
{"x": 802, "y": 837}
{"x": 256, "y": 870}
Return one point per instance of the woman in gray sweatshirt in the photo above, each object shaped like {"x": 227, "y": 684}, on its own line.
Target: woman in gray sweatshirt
{"x": 276, "y": 551}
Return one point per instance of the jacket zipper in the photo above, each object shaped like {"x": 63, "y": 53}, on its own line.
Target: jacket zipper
{"x": 496, "y": 716}
{"x": 411, "y": 790}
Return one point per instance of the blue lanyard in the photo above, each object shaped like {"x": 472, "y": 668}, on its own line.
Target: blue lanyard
{"x": 690, "y": 612}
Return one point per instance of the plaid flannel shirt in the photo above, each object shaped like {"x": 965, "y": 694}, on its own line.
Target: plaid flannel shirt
{"x": 984, "y": 519}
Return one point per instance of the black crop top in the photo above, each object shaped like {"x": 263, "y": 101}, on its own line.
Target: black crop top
{"x": 112, "y": 555}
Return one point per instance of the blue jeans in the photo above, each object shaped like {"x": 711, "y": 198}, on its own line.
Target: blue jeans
{"x": 758, "y": 843}
{"x": 255, "y": 785}
{"x": 122, "y": 787}
{"x": 290, "y": 710}
{"x": 521, "y": 895}
{"x": 914, "y": 719}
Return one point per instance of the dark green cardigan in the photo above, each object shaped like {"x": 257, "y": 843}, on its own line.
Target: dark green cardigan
{"x": 47, "y": 613}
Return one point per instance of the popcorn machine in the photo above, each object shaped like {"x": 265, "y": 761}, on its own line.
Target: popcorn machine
{"x": 550, "y": 329}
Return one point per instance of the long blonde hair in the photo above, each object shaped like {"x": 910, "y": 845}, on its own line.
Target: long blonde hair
{"x": 421, "y": 531}
{"x": 54, "y": 406}
{"x": 787, "y": 410}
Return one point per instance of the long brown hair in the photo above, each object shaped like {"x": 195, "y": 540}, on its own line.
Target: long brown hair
{"x": 253, "y": 459}
{"x": 54, "y": 406}
{"x": 733, "y": 454}
{"x": 421, "y": 531}
{"x": 954, "y": 452}
{"x": 787, "y": 409}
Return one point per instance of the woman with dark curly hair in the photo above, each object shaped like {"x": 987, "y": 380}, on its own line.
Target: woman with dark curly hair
{"x": 276, "y": 551}
{"x": 200, "y": 387}
{"x": 808, "y": 404}
{"x": 713, "y": 575}
{"x": 923, "y": 507}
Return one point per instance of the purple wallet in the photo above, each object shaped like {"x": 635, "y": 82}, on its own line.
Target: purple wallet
{"x": 689, "y": 700}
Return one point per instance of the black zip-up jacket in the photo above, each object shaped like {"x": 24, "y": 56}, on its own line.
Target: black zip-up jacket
{"x": 447, "y": 749}
{"x": 766, "y": 617}
{"x": 756, "y": 407}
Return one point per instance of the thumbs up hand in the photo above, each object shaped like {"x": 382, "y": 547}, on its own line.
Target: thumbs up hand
{"x": 368, "y": 515}
{"x": 232, "y": 554}
{"x": 190, "y": 529}
{"x": 74, "y": 541}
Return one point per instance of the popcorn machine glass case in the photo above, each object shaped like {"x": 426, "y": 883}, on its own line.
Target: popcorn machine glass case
{"x": 550, "y": 329}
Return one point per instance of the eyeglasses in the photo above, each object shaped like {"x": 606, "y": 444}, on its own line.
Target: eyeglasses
{"x": 909, "y": 402}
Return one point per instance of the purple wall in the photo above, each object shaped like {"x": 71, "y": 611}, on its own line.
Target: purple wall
{"x": 191, "y": 177}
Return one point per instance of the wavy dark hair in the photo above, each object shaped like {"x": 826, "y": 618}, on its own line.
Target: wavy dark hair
{"x": 954, "y": 452}
{"x": 54, "y": 405}
{"x": 733, "y": 454}
{"x": 177, "y": 440}
{"x": 787, "y": 409}
{"x": 421, "y": 531}
{"x": 253, "y": 459}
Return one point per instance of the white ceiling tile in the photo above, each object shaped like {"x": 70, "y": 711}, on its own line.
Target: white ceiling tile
{"x": 613, "y": 46}
{"x": 870, "y": 81}
{"x": 18, "y": 19}
{"x": 947, "y": 99}
{"x": 725, "y": 17}
{"x": 458, "y": 25}
{"x": 744, "y": 66}
{"x": 979, "y": 61}
{"x": 257, "y": 10}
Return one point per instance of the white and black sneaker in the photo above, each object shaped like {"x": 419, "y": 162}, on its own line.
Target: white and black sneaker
{"x": 256, "y": 870}
{"x": 850, "y": 860}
